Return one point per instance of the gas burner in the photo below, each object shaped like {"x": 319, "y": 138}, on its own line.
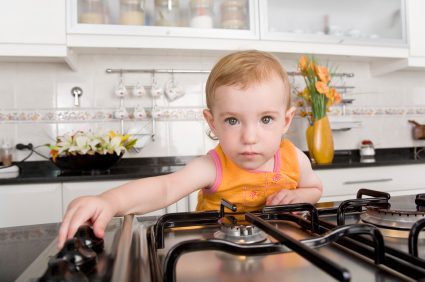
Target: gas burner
{"x": 241, "y": 234}
{"x": 392, "y": 222}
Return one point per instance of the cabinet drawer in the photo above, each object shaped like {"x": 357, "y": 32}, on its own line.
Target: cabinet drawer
{"x": 340, "y": 184}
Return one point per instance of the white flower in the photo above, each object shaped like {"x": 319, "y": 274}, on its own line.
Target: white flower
{"x": 88, "y": 143}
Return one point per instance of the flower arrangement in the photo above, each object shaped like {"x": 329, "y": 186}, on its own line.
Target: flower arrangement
{"x": 317, "y": 94}
{"x": 88, "y": 143}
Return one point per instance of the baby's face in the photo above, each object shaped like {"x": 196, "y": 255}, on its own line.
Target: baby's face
{"x": 250, "y": 122}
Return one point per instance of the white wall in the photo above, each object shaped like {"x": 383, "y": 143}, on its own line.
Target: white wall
{"x": 392, "y": 99}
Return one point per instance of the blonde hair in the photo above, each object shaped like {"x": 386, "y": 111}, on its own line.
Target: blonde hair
{"x": 243, "y": 68}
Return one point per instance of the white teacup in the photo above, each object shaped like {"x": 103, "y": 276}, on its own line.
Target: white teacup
{"x": 140, "y": 113}
{"x": 121, "y": 91}
{"x": 139, "y": 90}
{"x": 121, "y": 113}
{"x": 156, "y": 90}
{"x": 173, "y": 90}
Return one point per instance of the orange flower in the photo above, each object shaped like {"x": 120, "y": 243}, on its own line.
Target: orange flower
{"x": 302, "y": 64}
{"x": 322, "y": 87}
{"x": 54, "y": 154}
{"x": 337, "y": 98}
{"x": 323, "y": 74}
{"x": 333, "y": 98}
{"x": 317, "y": 94}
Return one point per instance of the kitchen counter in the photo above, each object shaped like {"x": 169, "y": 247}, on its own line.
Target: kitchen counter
{"x": 133, "y": 168}
{"x": 383, "y": 157}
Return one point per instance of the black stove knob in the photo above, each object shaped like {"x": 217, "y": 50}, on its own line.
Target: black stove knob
{"x": 82, "y": 258}
{"x": 86, "y": 235}
{"x": 60, "y": 270}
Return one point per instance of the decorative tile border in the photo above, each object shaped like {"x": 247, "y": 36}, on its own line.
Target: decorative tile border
{"x": 171, "y": 114}
{"x": 98, "y": 115}
{"x": 375, "y": 111}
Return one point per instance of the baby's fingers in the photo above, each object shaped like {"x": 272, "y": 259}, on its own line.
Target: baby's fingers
{"x": 100, "y": 224}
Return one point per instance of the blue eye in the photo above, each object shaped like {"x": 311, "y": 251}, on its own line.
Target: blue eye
{"x": 231, "y": 121}
{"x": 266, "y": 119}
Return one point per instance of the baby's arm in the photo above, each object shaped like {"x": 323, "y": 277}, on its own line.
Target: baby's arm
{"x": 309, "y": 188}
{"x": 136, "y": 197}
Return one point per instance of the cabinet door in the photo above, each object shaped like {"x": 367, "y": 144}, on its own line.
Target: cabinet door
{"x": 30, "y": 204}
{"x": 78, "y": 189}
{"x": 342, "y": 184}
{"x": 365, "y": 22}
{"x": 114, "y": 23}
{"x": 33, "y": 22}
{"x": 416, "y": 23}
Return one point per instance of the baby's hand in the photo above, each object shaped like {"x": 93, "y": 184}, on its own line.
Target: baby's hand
{"x": 92, "y": 210}
{"x": 283, "y": 197}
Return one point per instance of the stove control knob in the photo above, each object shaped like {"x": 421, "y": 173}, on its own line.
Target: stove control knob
{"x": 82, "y": 258}
{"x": 61, "y": 270}
{"x": 86, "y": 235}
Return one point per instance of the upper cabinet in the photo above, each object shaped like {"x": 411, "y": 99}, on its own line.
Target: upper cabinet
{"x": 415, "y": 59}
{"x": 366, "y": 28}
{"x": 373, "y": 27}
{"x": 416, "y": 23}
{"x": 34, "y": 29}
{"x": 361, "y": 22}
{"x": 157, "y": 23}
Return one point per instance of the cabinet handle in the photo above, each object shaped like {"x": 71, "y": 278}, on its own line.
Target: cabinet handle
{"x": 368, "y": 181}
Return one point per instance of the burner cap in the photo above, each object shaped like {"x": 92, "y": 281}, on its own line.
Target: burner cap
{"x": 392, "y": 218}
{"x": 241, "y": 234}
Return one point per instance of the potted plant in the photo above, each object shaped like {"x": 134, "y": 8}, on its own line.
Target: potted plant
{"x": 89, "y": 151}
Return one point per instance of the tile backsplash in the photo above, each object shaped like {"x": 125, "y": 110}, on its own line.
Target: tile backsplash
{"x": 36, "y": 104}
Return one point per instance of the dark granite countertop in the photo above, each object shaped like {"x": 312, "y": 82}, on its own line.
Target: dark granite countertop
{"x": 383, "y": 157}
{"x": 132, "y": 168}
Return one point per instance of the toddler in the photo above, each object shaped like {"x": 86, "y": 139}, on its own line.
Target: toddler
{"x": 249, "y": 111}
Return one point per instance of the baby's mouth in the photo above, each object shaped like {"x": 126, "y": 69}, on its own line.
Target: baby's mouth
{"x": 249, "y": 154}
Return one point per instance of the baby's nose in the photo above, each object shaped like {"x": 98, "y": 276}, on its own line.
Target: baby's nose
{"x": 249, "y": 135}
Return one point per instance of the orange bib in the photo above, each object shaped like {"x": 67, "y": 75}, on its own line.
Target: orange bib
{"x": 248, "y": 189}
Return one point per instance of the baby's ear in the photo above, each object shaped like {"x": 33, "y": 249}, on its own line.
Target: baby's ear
{"x": 210, "y": 119}
{"x": 289, "y": 115}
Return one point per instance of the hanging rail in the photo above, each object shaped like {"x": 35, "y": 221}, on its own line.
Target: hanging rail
{"x": 338, "y": 74}
{"x": 154, "y": 71}
{"x": 291, "y": 73}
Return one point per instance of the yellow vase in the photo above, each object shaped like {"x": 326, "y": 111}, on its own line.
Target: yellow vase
{"x": 309, "y": 139}
{"x": 322, "y": 143}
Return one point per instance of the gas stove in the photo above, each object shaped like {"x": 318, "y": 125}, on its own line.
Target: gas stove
{"x": 372, "y": 237}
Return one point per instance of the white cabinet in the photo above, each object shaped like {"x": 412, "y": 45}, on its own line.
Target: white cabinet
{"x": 415, "y": 60}
{"x": 358, "y": 28}
{"x": 30, "y": 204}
{"x": 416, "y": 33}
{"x": 342, "y": 184}
{"x": 73, "y": 190}
{"x": 33, "y": 30}
{"x": 416, "y": 24}
{"x": 104, "y": 27}
{"x": 329, "y": 27}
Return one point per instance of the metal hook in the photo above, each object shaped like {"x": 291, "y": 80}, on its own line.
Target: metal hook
{"x": 121, "y": 77}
